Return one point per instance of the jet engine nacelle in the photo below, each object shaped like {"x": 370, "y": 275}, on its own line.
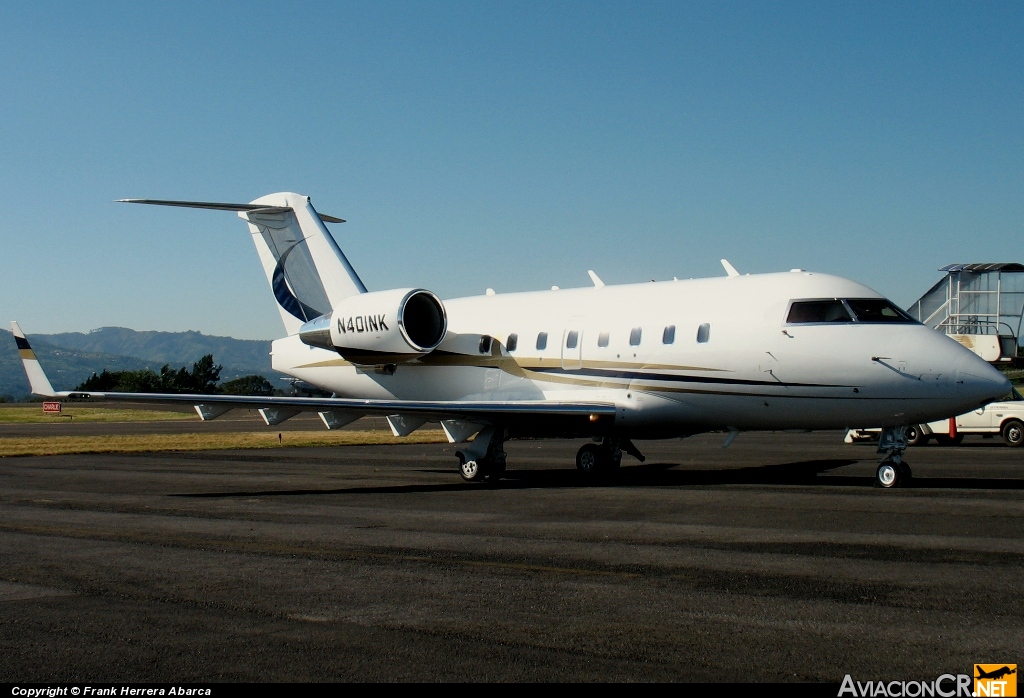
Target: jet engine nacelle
{"x": 383, "y": 326}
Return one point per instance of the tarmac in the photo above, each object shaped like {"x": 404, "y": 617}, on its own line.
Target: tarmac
{"x": 773, "y": 560}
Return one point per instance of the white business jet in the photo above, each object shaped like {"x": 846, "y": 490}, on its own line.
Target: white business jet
{"x": 795, "y": 350}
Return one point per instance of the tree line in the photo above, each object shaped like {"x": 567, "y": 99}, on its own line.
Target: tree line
{"x": 203, "y": 378}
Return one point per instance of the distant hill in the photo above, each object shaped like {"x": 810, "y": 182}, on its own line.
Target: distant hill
{"x": 175, "y": 348}
{"x": 70, "y": 357}
{"x": 65, "y": 368}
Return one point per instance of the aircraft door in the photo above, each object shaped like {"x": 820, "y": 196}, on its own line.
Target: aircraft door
{"x": 572, "y": 345}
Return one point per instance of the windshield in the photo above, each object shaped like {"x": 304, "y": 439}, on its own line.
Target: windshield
{"x": 861, "y": 310}
{"x": 818, "y": 311}
{"x": 877, "y": 310}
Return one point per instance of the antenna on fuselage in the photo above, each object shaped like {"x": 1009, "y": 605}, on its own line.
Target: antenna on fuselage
{"x": 729, "y": 269}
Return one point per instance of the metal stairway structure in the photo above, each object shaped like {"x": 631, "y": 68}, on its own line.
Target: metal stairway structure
{"x": 979, "y": 305}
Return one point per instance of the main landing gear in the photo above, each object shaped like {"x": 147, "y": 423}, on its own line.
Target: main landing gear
{"x": 595, "y": 460}
{"x": 893, "y": 470}
{"x": 484, "y": 459}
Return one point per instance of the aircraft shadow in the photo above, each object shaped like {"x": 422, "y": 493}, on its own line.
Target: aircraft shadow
{"x": 647, "y": 475}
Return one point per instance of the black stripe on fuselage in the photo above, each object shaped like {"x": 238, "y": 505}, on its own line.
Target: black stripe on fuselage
{"x": 671, "y": 377}
{"x": 22, "y": 343}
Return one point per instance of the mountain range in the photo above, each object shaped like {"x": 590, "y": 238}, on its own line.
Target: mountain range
{"x": 70, "y": 357}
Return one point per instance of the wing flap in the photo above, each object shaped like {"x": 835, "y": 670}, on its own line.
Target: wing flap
{"x": 432, "y": 410}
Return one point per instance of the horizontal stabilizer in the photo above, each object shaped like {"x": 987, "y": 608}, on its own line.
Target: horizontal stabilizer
{"x": 249, "y": 208}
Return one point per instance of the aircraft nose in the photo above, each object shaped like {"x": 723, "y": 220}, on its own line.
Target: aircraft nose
{"x": 977, "y": 379}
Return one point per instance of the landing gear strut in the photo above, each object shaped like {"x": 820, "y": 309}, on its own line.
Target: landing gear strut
{"x": 893, "y": 471}
{"x": 484, "y": 459}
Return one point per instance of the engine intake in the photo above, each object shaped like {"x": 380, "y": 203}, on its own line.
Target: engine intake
{"x": 396, "y": 325}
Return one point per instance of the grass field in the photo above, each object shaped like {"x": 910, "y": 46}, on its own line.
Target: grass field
{"x": 33, "y": 414}
{"x": 141, "y": 443}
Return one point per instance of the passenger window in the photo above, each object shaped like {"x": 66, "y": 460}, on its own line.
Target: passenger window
{"x": 542, "y": 341}
{"x": 704, "y": 333}
{"x": 571, "y": 339}
{"x": 818, "y": 311}
{"x": 669, "y": 335}
{"x": 485, "y": 344}
{"x": 513, "y": 342}
{"x": 602, "y": 339}
{"x": 634, "y": 337}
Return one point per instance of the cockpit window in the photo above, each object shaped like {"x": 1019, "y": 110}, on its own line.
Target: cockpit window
{"x": 877, "y": 310}
{"x": 818, "y": 311}
{"x": 869, "y": 310}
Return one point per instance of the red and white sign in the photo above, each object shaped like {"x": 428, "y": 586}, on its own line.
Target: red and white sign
{"x": 51, "y": 408}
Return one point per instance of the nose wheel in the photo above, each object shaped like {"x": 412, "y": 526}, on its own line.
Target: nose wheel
{"x": 891, "y": 474}
{"x": 893, "y": 471}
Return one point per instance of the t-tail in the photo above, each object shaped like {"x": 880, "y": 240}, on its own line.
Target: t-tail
{"x": 307, "y": 271}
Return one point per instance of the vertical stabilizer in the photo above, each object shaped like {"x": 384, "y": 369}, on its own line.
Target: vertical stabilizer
{"x": 307, "y": 271}
{"x": 38, "y": 381}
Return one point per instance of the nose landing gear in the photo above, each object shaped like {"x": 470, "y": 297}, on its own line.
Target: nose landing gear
{"x": 893, "y": 471}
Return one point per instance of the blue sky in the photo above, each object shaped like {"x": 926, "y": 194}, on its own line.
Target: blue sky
{"x": 505, "y": 145}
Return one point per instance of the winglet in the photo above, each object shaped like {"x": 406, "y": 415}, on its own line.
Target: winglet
{"x": 38, "y": 381}
{"x": 729, "y": 269}
{"x": 596, "y": 279}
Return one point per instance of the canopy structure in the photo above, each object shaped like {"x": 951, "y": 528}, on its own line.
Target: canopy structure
{"x": 979, "y": 305}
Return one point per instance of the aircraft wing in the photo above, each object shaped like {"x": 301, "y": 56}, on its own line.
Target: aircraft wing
{"x": 460, "y": 419}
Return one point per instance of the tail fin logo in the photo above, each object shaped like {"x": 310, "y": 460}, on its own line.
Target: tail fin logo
{"x": 284, "y": 295}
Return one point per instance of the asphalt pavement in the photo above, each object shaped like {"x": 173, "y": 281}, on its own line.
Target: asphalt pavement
{"x": 773, "y": 560}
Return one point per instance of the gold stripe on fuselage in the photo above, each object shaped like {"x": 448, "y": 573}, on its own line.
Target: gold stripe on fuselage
{"x": 517, "y": 367}
{"x": 524, "y": 368}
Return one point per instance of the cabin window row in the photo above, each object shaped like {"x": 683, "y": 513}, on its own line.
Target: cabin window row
{"x": 572, "y": 338}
